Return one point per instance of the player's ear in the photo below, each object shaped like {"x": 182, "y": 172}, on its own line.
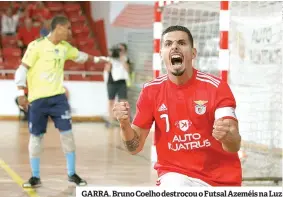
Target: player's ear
{"x": 194, "y": 53}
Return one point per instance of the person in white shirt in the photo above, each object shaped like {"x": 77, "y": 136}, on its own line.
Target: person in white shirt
{"x": 9, "y": 22}
{"x": 116, "y": 74}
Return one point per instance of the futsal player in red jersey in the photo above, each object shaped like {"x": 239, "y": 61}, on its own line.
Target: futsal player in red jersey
{"x": 196, "y": 129}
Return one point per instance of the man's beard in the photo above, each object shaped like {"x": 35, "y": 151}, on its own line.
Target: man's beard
{"x": 178, "y": 73}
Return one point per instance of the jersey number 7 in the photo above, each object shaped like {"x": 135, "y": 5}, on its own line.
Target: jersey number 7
{"x": 165, "y": 116}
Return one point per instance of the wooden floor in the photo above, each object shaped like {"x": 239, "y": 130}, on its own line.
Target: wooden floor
{"x": 101, "y": 160}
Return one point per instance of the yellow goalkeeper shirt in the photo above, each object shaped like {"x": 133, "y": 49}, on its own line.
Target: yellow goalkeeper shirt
{"x": 46, "y": 67}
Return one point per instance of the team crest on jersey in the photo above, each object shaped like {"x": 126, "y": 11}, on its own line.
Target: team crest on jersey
{"x": 56, "y": 51}
{"x": 183, "y": 125}
{"x": 200, "y": 107}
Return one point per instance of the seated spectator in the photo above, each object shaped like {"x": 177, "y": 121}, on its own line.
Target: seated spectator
{"x": 23, "y": 9}
{"x": 27, "y": 34}
{"x": 29, "y": 8}
{"x": 9, "y": 22}
{"x": 45, "y": 29}
{"x": 23, "y": 15}
{"x": 15, "y": 6}
{"x": 40, "y": 13}
{"x": 23, "y": 5}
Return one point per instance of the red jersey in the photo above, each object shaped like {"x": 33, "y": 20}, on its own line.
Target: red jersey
{"x": 27, "y": 36}
{"x": 184, "y": 116}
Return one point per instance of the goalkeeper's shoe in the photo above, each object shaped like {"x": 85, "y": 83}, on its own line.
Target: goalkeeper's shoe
{"x": 32, "y": 183}
{"x": 76, "y": 179}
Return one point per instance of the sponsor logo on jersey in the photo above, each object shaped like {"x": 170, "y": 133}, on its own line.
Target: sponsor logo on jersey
{"x": 188, "y": 141}
{"x": 183, "y": 125}
{"x": 200, "y": 107}
{"x": 56, "y": 51}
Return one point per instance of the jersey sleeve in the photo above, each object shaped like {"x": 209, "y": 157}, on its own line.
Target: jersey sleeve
{"x": 72, "y": 52}
{"x": 225, "y": 102}
{"x": 144, "y": 111}
{"x": 31, "y": 55}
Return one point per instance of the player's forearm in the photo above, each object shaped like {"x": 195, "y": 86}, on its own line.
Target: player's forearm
{"x": 84, "y": 57}
{"x": 232, "y": 142}
{"x": 90, "y": 58}
{"x": 130, "y": 138}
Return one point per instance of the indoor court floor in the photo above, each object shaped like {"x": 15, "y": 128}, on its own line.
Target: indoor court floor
{"x": 101, "y": 160}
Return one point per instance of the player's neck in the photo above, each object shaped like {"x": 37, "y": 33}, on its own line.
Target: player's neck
{"x": 180, "y": 80}
{"x": 53, "y": 39}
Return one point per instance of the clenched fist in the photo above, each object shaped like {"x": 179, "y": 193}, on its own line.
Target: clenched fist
{"x": 223, "y": 128}
{"x": 23, "y": 102}
{"x": 121, "y": 111}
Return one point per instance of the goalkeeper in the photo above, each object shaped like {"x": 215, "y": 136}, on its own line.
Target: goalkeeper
{"x": 43, "y": 68}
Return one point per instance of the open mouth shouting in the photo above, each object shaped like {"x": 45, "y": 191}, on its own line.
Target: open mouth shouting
{"x": 176, "y": 60}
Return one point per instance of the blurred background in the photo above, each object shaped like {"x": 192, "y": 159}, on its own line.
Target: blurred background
{"x": 254, "y": 74}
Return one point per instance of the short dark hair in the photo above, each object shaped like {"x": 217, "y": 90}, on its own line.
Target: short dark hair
{"x": 58, "y": 20}
{"x": 179, "y": 28}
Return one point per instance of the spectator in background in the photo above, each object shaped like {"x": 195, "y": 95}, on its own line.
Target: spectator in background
{"x": 23, "y": 5}
{"x": 15, "y": 6}
{"x": 40, "y": 13}
{"x": 116, "y": 74}
{"x": 124, "y": 52}
{"x": 27, "y": 34}
{"x": 9, "y": 22}
{"x": 45, "y": 29}
{"x": 23, "y": 8}
{"x": 29, "y": 8}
